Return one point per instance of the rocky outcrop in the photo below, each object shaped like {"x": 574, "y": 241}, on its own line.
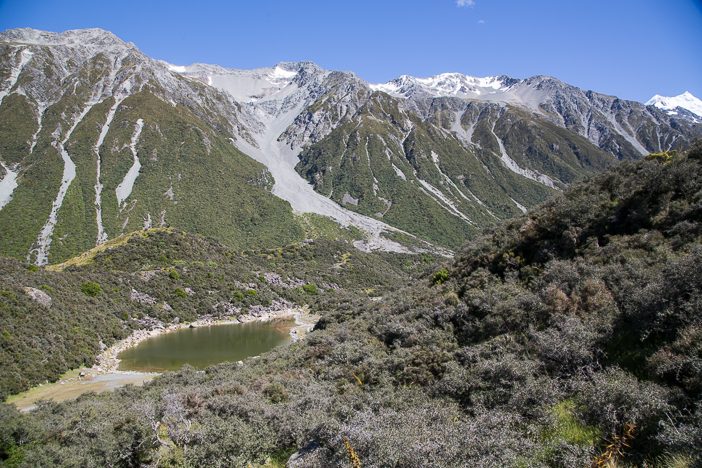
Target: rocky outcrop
{"x": 141, "y": 298}
{"x": 276, "y": 280}
{"x": 38, "y": 296}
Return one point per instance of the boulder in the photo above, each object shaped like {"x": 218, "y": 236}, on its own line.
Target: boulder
{"x": 38, "y": 296}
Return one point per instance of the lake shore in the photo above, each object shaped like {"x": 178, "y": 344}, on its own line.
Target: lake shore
{"x": 106, "y": 376}
{"x": 108, "y": 361}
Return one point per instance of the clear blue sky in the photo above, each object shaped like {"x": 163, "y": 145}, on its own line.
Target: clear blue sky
{"x": 629, "y": 48}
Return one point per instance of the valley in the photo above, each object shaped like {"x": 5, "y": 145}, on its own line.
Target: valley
{"x": 292, "y": 266}
{"x": 533, "y": 327}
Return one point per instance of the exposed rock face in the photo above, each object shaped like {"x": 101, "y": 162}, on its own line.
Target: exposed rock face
{"x": 226, "y": 309}
{"x": 38, "y": 296}
{"x": 275, "y": 279}
{"x": 626, "y": 129}
{"x": 141, "y": 298}
{"x": 147, "y": 275}
{"x": 260, "y": 312}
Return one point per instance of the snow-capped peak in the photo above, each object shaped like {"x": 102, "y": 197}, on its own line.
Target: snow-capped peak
{"x": 260, "y": 84}
{"x": 443, "y": 85}
{"x": 281, "y": 73}
{"x": 685, "y": 101}
{"x": 176, "y": 68}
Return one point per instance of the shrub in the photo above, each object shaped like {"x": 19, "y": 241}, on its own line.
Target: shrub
{"x": 238, "y": 296}
{"x": 180, "y": 292}
{"x": 276, "y": 393}
{"x": 440, "y": 276}
{"x": 310, "y": 288}
{"x": 91, "y": 288}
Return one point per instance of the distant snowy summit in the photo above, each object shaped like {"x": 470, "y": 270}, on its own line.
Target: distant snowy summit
{"x": 445, "y": 85}
{"x": 529, "y": 92}
{"x": 677, "y": 104}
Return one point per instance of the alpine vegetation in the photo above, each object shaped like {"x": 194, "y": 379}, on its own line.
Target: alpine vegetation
{"x": 563, "y": 338}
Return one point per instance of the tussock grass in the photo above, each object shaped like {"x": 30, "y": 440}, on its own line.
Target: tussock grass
{"x": 87, "y": 258}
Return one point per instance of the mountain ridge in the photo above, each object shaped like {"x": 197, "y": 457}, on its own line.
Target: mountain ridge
{"x": 430, "y": 170}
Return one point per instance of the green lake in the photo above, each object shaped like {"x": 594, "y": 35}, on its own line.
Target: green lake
{"x": 204, "y": 346}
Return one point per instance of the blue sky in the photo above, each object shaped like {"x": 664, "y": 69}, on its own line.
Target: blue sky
{"x": 629, "y": 48}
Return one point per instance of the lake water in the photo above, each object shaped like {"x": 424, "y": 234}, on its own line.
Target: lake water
{"x": 204, "y": 346}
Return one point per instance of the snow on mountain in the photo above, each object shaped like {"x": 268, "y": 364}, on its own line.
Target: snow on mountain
{"x": 445, "y": 85}
{"x": 262, "y": 84}
{"x": 273, "y": 114}
{"x": 624, "y": 128}
{"x": 257, "y": 106}
{"x": 673, "y": 104}
{"x": 130, "y": 70}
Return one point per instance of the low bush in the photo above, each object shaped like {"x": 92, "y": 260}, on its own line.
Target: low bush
{"x": 91, "y": 288}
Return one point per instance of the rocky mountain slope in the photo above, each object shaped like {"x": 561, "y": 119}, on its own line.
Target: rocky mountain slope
{"x": 626, "y": 129}
{"x": 102, "y": 140}
{"x": 97, "y": 139}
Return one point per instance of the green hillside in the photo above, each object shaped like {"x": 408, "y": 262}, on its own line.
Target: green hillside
{"x": 191, "y": 178}
{"x": 569, "y": 337}
{"x": 415, "y": 173}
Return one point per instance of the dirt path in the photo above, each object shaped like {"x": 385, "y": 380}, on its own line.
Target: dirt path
{"x": 71, "y": 385}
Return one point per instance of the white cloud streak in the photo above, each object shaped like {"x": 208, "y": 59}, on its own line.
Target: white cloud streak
{"x": 465, "y": 3}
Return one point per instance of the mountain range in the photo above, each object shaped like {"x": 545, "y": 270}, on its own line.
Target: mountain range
{"x": 98, "y": 139}
{"x": 139, "y": 196}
